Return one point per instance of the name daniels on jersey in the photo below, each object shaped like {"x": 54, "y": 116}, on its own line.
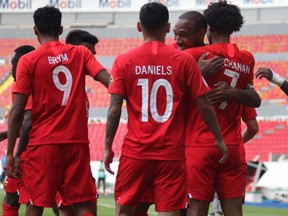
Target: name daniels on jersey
{"x": 57, "y": 59}
{"x": 236, "y": 66}
{"x": 153, "y": 70}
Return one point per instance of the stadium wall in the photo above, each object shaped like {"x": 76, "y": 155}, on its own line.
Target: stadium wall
{"x": 88, "y": 13}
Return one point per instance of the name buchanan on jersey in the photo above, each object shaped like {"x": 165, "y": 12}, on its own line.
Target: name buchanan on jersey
{"x": 57, "y": 59}
{"x": 236, "y": 66}
{"x": 153, "y": 70}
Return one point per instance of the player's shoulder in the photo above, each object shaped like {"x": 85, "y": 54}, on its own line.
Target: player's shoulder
{"x": 246, "y": 53}
{"x": 196, "y": 52}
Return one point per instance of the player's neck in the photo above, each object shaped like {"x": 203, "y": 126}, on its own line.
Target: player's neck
{"x": 149, "y": 39}
{"x": 220, "y": 38}
{"x": 154, "y": 36}
{"x": 45, "y": 39}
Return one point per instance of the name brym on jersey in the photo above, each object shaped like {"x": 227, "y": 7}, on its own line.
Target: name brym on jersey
{"x": 57, "y": 59}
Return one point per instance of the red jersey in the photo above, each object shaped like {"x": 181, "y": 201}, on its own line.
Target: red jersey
{"x": 55, "y": 75}
{"x": 248, "y": 113}
{"x": 29, "y": 101}
{"x": 238, "y": 71}
{"x": 154, "y": 79}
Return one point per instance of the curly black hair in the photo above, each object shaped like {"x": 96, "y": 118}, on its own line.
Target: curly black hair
{"x": 223, "y": 17}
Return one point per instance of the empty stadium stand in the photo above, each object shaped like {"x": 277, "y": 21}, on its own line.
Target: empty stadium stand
{"x": 271, "y": 139}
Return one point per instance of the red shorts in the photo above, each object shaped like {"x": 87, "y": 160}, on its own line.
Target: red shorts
{"x": 206, "y": 175}
{"x": 166, "y": 179}
{"x": 59, "y": 201}
{"x": 51, "y": 168}
{"x": 12, "y": 185}
{"x": 147, "y": 196}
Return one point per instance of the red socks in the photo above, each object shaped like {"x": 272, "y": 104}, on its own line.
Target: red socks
{"x": 8, "y": 210}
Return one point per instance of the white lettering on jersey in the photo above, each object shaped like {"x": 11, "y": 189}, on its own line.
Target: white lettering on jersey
{"x": 153, "y": 70}
{"x": 237, "y": 66}
{"x": 57, "y": 59}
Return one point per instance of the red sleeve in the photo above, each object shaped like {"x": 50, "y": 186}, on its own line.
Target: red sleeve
{"x": 29, "y": 103}
{"x": 196, "y": 83}
{"x": 118, "y": 79}
{"x": 92, "y": 65}
{"x": 248, "y": 113}
{"x": 249, "y": 58}
{"x": 23, "y": 77}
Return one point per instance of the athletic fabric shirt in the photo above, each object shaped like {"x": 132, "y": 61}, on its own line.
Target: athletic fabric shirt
{"x": 238, "y": 72}
{"x": 248, "y": 113}
{"x": 154, "y": 78}
{"x": 29, "y": 101}
{"x": 55, "y": 76}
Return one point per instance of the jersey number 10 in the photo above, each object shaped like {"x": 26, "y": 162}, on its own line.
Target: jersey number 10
{"x": 152, "y": 98}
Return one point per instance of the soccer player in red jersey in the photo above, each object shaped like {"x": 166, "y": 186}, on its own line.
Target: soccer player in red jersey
{"x": 10, "y": 203}
{"x": 84, "y": 38}
{"x": 155, "y": 79}
{"x": 273, "y": 77}
{"x": 58, "y": 148}
{"x": 81, "y": 37}
{"x": 227, "y": 179}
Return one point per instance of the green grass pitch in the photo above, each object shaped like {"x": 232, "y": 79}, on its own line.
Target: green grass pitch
{"x": 106, "y": 208}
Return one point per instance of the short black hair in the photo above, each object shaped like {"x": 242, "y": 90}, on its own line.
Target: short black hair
{"x": 200, "y": 21}
{"x": 48, "y": 20}
{"x": 77, "y": 37}
{"x": 22, "y": 50}
{"x": 153, "y": 15}
{"x": 223, "y": 17}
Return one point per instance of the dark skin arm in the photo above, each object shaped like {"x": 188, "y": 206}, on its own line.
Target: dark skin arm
{"x": 3, "y": 135}
{"x": 103, "y": 77}
{"x": 266, "y": 73}
{"x": 209, "y": 116}
{"x": 113, "y": 118}
{"x": 210, "y": 67}
{"x": 251, "y": 130}
{"x": 224, "y": 92}
{"x": 23, "y": 142}
{"x": 14, "y": 126}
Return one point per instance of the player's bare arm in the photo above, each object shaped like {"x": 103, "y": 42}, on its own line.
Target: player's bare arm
{"x": 224, "y": 92}
{"x": 103, "y": 77}
{"x": 267, "y": 73}
{"x": 14, "y": 126}
{"x": 23, "y": 142}
{"x": 210, "y": 67}
{"x": 209, "y": 116}
{"x": 3, "y": 135}
{"x": 251, "y": 130}
{"x": 113, "y": 118}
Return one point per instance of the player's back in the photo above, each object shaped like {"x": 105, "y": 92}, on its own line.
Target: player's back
{"x": 57, "y": 73}
{"x": 238, "y": 72}
{"x": 157, "y": 77}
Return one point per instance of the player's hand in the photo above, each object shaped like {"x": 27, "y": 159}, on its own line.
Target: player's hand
{"x": 223, "y": 148}
{"x": 17, "y": 165}
{"x": 211, "y": 66}
{"x": 108, "y": 159}
{"x": 222, "y": 92}
{"x": 8, "y": 166}
{"x": 264, "y": 72}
